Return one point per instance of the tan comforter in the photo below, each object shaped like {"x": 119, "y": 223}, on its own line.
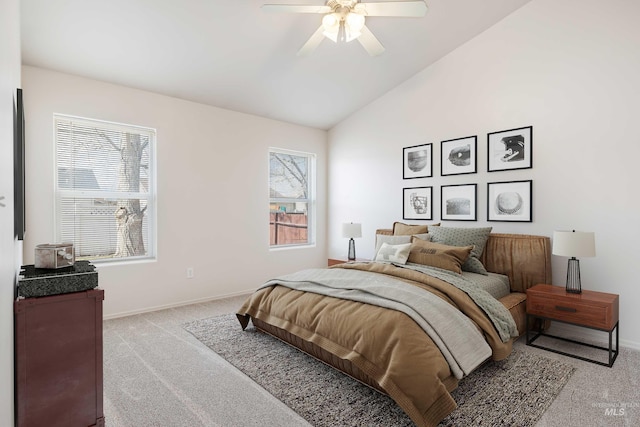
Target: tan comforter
{"x": 385, "y": 344}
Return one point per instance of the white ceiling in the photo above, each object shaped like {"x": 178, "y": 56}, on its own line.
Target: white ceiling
{"x": 231, "y": 54}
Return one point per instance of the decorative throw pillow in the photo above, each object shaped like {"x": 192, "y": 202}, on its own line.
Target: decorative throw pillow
{"x": 397, "y": 240}
{"x": 454, "y": 236}
{"x": 400, "y": 229}
{"x": 393, "y": 253}
{"x": 423, "y": 236}
{"x": 436, "y": 255}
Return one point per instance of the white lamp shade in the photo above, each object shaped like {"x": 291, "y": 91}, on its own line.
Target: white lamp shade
{"x": 574, "y": 244}
{"x": 351, "y": 230}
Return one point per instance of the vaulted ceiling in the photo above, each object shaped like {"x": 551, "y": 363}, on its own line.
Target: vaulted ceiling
{"x": 234, "y": 55}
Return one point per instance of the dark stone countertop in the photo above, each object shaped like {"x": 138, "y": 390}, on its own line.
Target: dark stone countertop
{"x": 39, "y": 282}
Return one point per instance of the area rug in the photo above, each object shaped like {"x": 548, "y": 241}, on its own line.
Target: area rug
{"x": 515, "y": 391}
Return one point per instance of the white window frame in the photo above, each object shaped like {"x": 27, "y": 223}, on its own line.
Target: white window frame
{"x": 310, "y": 200}
{"x": 150, "y": 197}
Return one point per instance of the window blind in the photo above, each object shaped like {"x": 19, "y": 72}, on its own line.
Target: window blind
{"x": 105, "y": 190}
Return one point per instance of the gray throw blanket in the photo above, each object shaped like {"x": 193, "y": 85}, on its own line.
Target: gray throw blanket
{"x": 457, "y": 337}
{"x": 498, "y": 313}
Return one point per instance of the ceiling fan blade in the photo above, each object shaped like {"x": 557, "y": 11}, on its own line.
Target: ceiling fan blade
{"x": 292, "y": 8}
{"x": 415, "y": 8}
{"x": 313, "y": 42}
{"x": 370, "y": 42}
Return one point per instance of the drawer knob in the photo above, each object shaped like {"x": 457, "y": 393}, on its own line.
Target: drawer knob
{"x": 569, "y": 309}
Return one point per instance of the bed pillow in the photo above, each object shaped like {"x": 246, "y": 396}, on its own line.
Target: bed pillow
{"x": 400, "y": 229}
{"x": 393, "y": 253}
{"x": 454, "y": 236}
{"x": 437, "y": 255}
{"x": 397, "y": 240}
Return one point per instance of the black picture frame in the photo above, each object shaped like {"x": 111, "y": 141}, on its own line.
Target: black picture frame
{"x": 510, "y": 149}
{"x": 417, "y": 203}
{"x": 417, "y": 161}
{"x": 459, "y": 156}
{"x": 18, "y": 167}
{"x": 459, "y": 202}
{"x": 510, "y": 201}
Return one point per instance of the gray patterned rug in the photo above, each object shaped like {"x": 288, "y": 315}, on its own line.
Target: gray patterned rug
{"x": 516, "y": 391}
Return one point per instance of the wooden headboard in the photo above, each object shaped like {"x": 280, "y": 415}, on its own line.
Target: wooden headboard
{"x": 525, "y": 259}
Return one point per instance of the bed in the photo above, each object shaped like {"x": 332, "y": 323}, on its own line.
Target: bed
{"x": 412, "y": 330}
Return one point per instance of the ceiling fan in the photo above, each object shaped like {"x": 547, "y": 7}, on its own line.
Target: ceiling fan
{"x": 344, "y": 20}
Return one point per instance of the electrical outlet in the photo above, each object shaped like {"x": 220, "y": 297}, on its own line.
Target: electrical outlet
{"x": 190, "y": 273}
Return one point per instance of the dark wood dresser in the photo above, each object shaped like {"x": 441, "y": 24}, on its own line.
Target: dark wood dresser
{"x": 58, "y": 360}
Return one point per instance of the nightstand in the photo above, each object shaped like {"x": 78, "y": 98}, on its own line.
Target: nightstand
{"x": 589, "y": 309}
{"x": 334, "y": 261}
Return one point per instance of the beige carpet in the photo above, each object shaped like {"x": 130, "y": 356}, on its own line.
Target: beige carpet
{"x": 158, "y": 374}
{"x": 516, "y": 391}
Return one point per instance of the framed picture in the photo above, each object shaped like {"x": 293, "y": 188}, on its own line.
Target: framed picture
{"x": 459, "y": 156}
{"x": 459, "y": 202}
{"x": 509, "y": 201}
{"x": 510, "y": 149}
{"x": 18, "y": 168}
{"x": 417, "y": 161}
{"x": 417, "y": 203}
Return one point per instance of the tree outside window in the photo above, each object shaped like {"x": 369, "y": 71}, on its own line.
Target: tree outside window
{"x": 105, "y": 196}
{"x": 291, "y": 175}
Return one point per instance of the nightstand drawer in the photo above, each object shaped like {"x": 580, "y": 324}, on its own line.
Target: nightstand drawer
{"x": 591, "y": 309}
{"x": 595, "y": 316}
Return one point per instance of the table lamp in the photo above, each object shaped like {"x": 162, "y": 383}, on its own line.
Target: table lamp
{"x": 574, "y": 244}
{"x": 351, "y": 230}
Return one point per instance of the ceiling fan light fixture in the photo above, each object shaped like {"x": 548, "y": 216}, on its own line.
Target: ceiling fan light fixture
{"x": 353, "y": 24}
{"x": 351, "y": 35}
{"x": 355, "y": 21}
{"x": 344, "y": 20}
{"x": 331, "y": 25}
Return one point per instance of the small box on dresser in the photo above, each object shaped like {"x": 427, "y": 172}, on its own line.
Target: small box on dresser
{"x": 56, "y": 255}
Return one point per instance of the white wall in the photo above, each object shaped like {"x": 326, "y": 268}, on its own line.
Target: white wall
{"x": 9, "y": 81}
{"x": 570, "y": 69}
{"x": 212, "y": 190}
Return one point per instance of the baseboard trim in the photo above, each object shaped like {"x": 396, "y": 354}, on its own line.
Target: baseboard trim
{"x": 173, "y": 305}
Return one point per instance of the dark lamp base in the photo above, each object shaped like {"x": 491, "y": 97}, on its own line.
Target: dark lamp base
{"x": 352, "y": 250}
{"x": 573, "y": 276}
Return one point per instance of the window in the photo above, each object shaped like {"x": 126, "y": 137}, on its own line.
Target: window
{"x": 105, "y": 189}
{"x": 291, "y": 198}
